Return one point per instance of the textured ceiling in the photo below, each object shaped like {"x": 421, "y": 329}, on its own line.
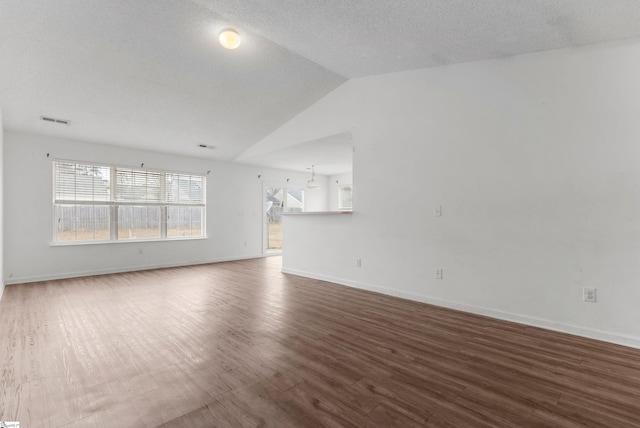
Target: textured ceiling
{"x": 149, "y": 73}
{"x": 358, "y": 38}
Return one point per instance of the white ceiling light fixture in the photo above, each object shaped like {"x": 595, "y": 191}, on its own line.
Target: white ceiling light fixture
{"x": 229, "y": 38}
{"x": 311, "y": 184}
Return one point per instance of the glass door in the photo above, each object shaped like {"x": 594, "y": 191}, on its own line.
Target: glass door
{"x": 277, "y": 201}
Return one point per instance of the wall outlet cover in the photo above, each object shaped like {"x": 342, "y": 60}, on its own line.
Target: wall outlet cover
{"x": 589, "y": 294}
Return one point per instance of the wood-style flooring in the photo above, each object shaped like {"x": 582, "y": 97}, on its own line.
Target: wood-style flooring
{"x": 241, "y": 344}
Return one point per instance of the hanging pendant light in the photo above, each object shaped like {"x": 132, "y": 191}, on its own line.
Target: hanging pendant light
{"x": 311, "y": 184}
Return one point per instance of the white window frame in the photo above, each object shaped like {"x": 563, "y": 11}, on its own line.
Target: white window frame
{"x": 114, "y": 203}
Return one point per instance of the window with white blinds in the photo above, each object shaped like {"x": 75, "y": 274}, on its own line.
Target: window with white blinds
{"x": 109, "y": 203}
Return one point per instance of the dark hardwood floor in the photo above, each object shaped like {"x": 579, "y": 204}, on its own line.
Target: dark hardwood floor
{"x": 241, "y": 344}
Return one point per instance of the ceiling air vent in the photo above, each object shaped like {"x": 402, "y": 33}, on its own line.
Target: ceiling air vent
{"x": 51, "y": 119}
{"x": 205, "y": 146}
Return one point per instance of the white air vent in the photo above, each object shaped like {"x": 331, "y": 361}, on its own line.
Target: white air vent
{"x": 53, "y": 120}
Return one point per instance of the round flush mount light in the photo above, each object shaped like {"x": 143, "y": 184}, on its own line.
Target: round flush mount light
{"x": 229, "y": 38}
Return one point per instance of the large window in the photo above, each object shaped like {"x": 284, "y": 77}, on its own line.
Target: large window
{"x": 109, "y": 203}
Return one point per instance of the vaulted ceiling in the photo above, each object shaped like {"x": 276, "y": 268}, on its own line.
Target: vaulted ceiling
{"x": 150, "y": 74}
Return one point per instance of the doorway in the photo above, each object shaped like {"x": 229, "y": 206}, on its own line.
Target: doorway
{"x": 279, "y": 200}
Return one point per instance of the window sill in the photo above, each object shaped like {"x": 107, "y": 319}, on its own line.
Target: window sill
{"x": 125, "y": 241}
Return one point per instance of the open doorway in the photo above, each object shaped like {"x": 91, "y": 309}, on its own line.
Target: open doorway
{"x": 279, "y": 200}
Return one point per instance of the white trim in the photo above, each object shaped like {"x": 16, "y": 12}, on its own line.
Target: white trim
{"x": 77, "y": 274}
{"x": 619, "y": 339}
{"x": 124, "y": 241}
{"x": 2, "y": 284}
{"x": 126, "y": 203}
{"x": 274, "y": 254}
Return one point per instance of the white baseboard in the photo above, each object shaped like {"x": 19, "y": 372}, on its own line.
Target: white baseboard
{"x": 77, "y": 274}
{"x": 633, "y": 342}
{"x": 1, "y": 288}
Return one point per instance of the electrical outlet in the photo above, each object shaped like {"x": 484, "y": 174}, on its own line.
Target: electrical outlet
{"x": 437, "y": 212}
{"x": 439, "y": 273}
{"x": 589, "y": 294}
{"x": 358, "y": 262}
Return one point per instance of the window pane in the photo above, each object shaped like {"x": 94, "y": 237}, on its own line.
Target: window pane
{"x": 81, "y": 182}
{"x": 295, "y": 201}
{"x": 65, "y": 225}
{"x": 138, "y": 222}
{"x": 82, "y": 223}
{"x": 184, "y": 189}
{"x": 196, "y": 221}
{"x": 173, "y": 221}
{"x": 102, "y": 219}
{"x": 345, "y": 197}
{"x": 184, "y": 221}
{"x": 133, "y": 185}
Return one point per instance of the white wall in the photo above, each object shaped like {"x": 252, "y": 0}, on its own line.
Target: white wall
{"x": 535, "y": 161}
{"x": 1, "y": 206}
{"x": 234, "y": 211}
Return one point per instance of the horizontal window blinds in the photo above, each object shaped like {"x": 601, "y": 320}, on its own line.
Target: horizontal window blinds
{"x": 138, "y": 186}
{"x": 184, "y": 189}
{"x": 81, "y": 182}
